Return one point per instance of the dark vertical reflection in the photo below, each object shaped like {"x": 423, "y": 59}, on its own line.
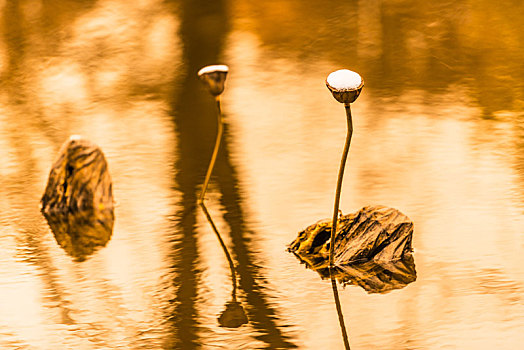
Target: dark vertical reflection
{"x": 260, "y": 312}
{"x": 394, "y": 47}
{"x": 203, "y": 29}
{"x": 345, "y": 338}
{"x": 12, "y": 23}
{"x": 233, "y": 316}
{"x": 22, "y": 182}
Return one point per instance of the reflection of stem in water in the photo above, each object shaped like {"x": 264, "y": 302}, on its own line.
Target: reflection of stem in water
{"x": 226, "y": 252}
{"x": 233, "y": 316}
{"x": 339, "y": 183}
{"x": 339, "y": 309}
{"x": 262, "y": 316}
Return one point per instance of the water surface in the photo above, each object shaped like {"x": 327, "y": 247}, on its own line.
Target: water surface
{"x": 438, "y": 134}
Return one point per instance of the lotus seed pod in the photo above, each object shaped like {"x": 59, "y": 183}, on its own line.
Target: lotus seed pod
{"x": 345, "y": 85}
{"x": 214, "y": 78}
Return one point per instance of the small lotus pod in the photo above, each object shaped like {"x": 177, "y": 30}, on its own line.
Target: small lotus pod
{"x": 79, "y": 179}
{"x": 214, "y": 77}
{"x": 345, "y": 85}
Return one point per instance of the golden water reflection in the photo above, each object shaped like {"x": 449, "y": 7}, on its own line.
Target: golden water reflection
{"x": 80, "y": 234}
{"x": 438, "y": 133}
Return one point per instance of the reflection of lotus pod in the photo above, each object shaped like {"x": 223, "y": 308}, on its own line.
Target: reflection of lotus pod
{"x": 214, "y": 77}
{"x": 345, "y": 85}
{"x": 79, "y": 179}
{"x": 376, "y": 277}
{"x": 233, "y": 316}
{"x": 81, "y": 233}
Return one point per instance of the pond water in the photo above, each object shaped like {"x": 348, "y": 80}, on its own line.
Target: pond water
{"x": 438, "y": 134}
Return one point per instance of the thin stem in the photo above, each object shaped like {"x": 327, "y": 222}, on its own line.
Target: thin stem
{"x": 339, "y": 183}
{"x": 339, "y": 310}
{"x": 202, "y": 196}
{"x": 215, "y": 151}
{"x": 226, "y": 251}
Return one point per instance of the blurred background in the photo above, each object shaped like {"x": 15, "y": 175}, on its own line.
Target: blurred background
{"x": 438, "y": 134}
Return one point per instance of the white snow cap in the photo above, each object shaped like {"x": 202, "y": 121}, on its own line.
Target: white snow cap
{"x": 344, "y": 79}
{"x": 216, "y": 68}
{"x": 75, "y": 138}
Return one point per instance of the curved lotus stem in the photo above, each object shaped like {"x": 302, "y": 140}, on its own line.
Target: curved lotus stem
{"x": 214, "y": 77}
{"x": 220, "y": 130}
{"x": 345, "y": 86}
